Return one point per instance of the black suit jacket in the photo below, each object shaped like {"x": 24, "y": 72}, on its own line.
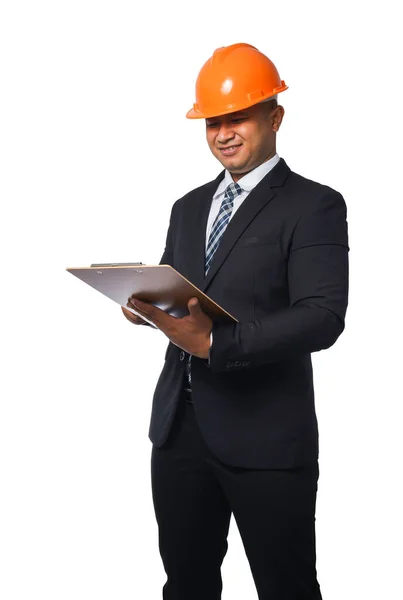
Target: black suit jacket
{"x": 282, "y": 270}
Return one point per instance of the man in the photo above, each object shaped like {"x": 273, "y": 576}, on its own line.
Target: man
{"x": 271, "y": 248}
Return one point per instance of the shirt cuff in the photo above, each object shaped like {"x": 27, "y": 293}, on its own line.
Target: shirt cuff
{"x": 209, "y": 352}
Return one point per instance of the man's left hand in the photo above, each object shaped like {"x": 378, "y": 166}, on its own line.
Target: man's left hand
{"x": 191, "y": 333}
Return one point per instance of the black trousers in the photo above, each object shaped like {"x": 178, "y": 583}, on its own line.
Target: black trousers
{"x": 194, "y": 496}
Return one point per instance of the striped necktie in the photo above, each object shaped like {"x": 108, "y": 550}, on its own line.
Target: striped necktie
{"x": 216, "y": 233}
{"x": 221, "y": 222}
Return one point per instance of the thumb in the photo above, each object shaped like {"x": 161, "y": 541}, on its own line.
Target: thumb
{"x": 194, "y": 307}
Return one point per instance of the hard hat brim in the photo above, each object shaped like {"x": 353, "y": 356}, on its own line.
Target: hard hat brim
{"x": 196, "y": 114}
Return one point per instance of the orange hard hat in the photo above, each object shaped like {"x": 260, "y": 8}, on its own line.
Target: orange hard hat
{"x": 234, "y": 78}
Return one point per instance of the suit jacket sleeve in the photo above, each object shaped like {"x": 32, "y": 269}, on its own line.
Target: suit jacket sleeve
{"x": 318, "y": 291}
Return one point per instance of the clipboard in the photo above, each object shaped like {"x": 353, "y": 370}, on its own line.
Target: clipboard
{"x": 160, "y": 285}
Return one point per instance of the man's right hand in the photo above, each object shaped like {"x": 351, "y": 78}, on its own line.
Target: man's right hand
{"x": 136, "y": 320}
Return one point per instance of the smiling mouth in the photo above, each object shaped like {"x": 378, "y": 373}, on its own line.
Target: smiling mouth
{"x": 228, "y": 150}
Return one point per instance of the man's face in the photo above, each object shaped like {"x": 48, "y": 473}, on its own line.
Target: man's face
{"x": 245, "y": 139}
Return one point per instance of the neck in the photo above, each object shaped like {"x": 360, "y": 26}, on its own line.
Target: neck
{"x": 237, "y": 176}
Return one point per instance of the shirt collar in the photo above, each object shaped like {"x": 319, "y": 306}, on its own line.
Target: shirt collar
{"x": 250, "y": 180}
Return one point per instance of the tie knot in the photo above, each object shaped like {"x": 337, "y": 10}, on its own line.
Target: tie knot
{"x": 233, "y": 190}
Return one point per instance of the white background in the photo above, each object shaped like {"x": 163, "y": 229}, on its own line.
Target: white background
{"x": 95, "y": 148}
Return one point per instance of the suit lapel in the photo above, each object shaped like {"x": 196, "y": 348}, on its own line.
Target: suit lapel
{"x": 196, "y": 224}
{"x": 258, "y": 198}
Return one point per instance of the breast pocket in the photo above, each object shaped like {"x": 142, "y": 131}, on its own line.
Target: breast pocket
{"x": 258, "y": 240}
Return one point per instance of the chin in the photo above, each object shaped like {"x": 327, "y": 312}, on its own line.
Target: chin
{"x": 232, "y": 164}
{"x": 237, "y": 169}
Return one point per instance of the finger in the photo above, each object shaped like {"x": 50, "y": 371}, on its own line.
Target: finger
{"x": 130, "y": 313}
{"x": 141, "y": 320}
{"x": 131, "y": 304}
{"x": 151, "y": 312}
{"x": 139, "y": 310}
{"x": 132, "y": 317}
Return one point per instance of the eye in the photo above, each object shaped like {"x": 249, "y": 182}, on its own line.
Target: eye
{"x": 210, "y": 125}
{"x": 239, "y": 120}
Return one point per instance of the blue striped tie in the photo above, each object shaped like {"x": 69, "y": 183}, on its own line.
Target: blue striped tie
{"x": 217, "y": 230}
{"x": 221, "y": 222}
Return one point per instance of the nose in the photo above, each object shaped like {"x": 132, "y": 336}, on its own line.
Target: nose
{"x": 225, "y": 133}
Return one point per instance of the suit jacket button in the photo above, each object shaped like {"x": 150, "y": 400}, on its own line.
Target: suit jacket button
{"x": 230, "y": 364}
{"x": 245, "y": 363}
{"x": 182, "y": 355}
{"x": 237, "y": 364}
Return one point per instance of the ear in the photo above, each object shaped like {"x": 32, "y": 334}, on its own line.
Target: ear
{"x": 277, "y": 117}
